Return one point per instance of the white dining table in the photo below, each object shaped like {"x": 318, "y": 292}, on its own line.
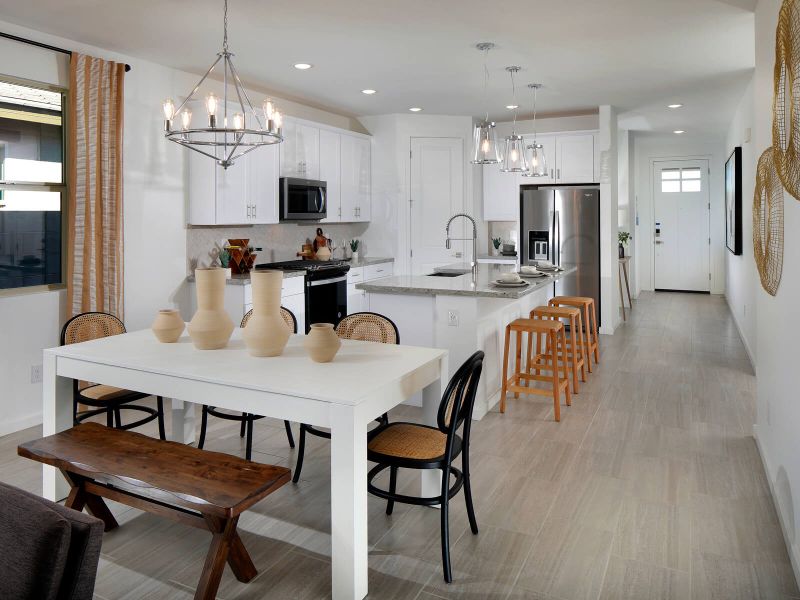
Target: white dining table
{"x": 365, "y": 380}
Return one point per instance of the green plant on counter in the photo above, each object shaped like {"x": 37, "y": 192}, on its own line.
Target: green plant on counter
{"x": 497, "y": 242}
{"x": 224, "y": 258}
{"x": 354, "y": 245}
{"x": 624, "y": 237}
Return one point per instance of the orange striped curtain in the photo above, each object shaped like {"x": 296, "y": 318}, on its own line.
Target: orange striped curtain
{"x": 95, "y": 241}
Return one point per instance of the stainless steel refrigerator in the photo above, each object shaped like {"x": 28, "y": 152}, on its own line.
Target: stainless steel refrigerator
{"x": 562, "y": 225}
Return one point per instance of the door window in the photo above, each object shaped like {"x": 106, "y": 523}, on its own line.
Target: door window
{"x": 681, "y": 180}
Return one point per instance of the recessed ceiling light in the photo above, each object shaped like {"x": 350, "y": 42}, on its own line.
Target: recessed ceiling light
{"x": 512, "y": 106}
{"x": 369, "y": 92}
{"x": 415, "y": 109}
{"x": 679, "y": 131}
{"x": 302, "y": 66}
{"x": 675, "y": 106}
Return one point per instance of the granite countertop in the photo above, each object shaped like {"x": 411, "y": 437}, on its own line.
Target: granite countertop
{"x": 245, "y": 279}
{"x": 425, "y": 285}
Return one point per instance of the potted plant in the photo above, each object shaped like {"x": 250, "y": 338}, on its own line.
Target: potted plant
{"x": 354, "y": 243}
{"x": 623, "y": 237}
{"x": 497, "y": 242}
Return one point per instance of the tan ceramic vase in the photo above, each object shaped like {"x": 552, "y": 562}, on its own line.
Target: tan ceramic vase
{"x": 322, "y": 343}
{"x": 168, "y": 326}
{"x": 266, "y": 333}
{"x": 211, "y": 327}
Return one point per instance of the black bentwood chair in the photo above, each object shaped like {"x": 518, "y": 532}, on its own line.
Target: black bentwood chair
{"x": 100, "y": 398}
{"x": 364, "y": 326}
{"x": 413, "y": 446}
{"x": 247, "y": 419}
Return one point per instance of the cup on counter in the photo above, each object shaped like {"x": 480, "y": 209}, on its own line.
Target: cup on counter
{"x": 509, "y": 278}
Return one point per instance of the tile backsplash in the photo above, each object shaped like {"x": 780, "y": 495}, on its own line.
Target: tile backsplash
{"x": 278, "y": 242}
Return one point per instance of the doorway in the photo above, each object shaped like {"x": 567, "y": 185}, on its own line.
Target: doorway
{"x": 681, "y": 236}
{"x": 437, "y": 193}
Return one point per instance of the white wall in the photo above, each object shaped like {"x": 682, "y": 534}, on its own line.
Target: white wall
{"x": 777, "y": 327}
{"x": 154, "y": 214}
{"x": 649, "y": 147}
{"x": 609, "y": 184}
{"x": 387, "y": 234}
{"x": 741, "y": 275}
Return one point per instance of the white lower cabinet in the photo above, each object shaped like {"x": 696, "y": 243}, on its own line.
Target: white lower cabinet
{"x": 357, "y": 300}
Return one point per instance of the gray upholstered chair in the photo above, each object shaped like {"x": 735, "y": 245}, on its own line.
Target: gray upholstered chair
{"x": 47, "y": 551}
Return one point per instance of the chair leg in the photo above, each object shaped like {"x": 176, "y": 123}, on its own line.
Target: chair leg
{"x": 445, "y": 526}
{"x": 289, "y": 433}
{"x": 248, "y": 453}
{"x": 392, "y": 489}
{"x": 473, "y": 522}
{"x": 300, "y": 454}
{"x": 110, "y": 418}
{"x": 203, "y": 425}
{"x": 117, "y": 418}
{"x": 162, "y": 434}
{"x": 504, "y": 388}
{"x": 243, "y": 425}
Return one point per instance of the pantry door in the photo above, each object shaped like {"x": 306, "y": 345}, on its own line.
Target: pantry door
{"x": 437, "y": 193}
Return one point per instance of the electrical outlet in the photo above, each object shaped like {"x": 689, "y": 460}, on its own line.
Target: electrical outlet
{"x": 36, "y": 374}
{"x": 452, "y": 318}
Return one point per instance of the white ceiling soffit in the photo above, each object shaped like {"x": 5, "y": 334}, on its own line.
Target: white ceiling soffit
{"x": 638, "y": 55}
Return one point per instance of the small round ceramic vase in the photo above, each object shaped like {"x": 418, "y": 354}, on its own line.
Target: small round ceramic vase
{"x": 168, "y": 326}
{"x": 322, "y": 343}
{"x": 266, "y": 333}
{"x": 211, "y": 327}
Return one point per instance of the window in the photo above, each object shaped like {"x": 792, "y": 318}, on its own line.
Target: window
{"x": 32, "y": 187}
{"x": 681, "y": 180}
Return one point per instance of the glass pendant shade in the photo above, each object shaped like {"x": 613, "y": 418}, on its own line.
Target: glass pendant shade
{"x": 537, "y": 161}
{"x": 514, "y": 160}
{"x": 486, "y": 150}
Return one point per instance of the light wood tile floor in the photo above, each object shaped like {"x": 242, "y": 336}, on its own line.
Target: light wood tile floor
{"x": 650, "y": 487}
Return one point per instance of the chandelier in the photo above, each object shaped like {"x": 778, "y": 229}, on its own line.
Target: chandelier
{"x": 537, "y": 161}
{"x": 514, "y": 160}
{"x": 241, "y": 129}
{"x": 485, "y": 149}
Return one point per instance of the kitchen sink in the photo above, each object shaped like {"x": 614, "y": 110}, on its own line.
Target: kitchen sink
{"x": 447, "y": 274}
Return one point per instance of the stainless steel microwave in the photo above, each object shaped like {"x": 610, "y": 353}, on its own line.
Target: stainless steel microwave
{"x": 303, "y": 199}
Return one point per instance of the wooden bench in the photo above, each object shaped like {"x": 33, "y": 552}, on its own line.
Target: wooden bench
{"x": 203, "y": 489}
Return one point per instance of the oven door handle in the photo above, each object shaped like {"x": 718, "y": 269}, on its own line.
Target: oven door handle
{"x": 326, "y": 281}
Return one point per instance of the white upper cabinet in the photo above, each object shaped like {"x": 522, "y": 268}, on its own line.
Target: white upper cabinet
{"x": 571, "y": 158}
{"x": 300, "y": 150}
{"x": 262, "y": 192}
{"x": 356, "y": 178}
{"x": 500, "y": 194}
{"x": 575, "y": 159}
{"x": 330, "y": 172}
{"x": 248, "y": 191}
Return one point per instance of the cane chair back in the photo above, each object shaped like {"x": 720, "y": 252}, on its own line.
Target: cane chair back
{"x": 458, "y": 400}
{"x": 90, "y": 326}
{"x": 288, "y": 317}
{"x": 368, "y": 327}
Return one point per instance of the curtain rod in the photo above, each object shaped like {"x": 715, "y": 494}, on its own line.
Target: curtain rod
{"x": 16, "y": 38}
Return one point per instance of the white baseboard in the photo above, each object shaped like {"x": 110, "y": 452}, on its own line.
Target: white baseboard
{"x": 742, "y": 337}
{"x": 20, "y": 423}
{"x": 794, "y": 552}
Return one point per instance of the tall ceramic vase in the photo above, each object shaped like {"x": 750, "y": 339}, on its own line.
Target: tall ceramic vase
{"x": 266, "y": 333}
{"x": 211, "y": 327}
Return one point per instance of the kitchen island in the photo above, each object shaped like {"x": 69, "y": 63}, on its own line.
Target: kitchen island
{"x": 461, "y": 315}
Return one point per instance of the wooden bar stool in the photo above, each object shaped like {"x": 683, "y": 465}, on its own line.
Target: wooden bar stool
{"x": 576, "y": 348}
{"x": 589, "y": 320}
{"x": 553, "y": 332}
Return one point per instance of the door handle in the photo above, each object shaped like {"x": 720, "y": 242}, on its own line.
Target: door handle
{"x": 659, "y": 242}
{"x": 558, "y": 173}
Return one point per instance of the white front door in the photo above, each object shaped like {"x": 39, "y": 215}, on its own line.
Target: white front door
{"x": 682, "y": 226}
{"x": 437, "y": 193}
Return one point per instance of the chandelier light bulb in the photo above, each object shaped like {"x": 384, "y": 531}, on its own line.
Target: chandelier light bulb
{"x": 186, "y": 118}
{"x": 277, "y": 117}
{"x": 238, "y": 121}
{"x": 269, "y": 109}
{"x": 485, "y": 146}
{"x": 169, "y": 109}
{"x": 514, "y": 155}
{"x": 211, "y": 104}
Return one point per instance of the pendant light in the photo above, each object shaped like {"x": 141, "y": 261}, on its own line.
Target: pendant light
{"x": 237, "y": 133}
{"x": 486, "y": 150}
{"x": 514, "y": 160}
{"x": 537, "y": 161}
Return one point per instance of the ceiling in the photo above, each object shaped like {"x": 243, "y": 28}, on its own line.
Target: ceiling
{"x": 638, "y": 55}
